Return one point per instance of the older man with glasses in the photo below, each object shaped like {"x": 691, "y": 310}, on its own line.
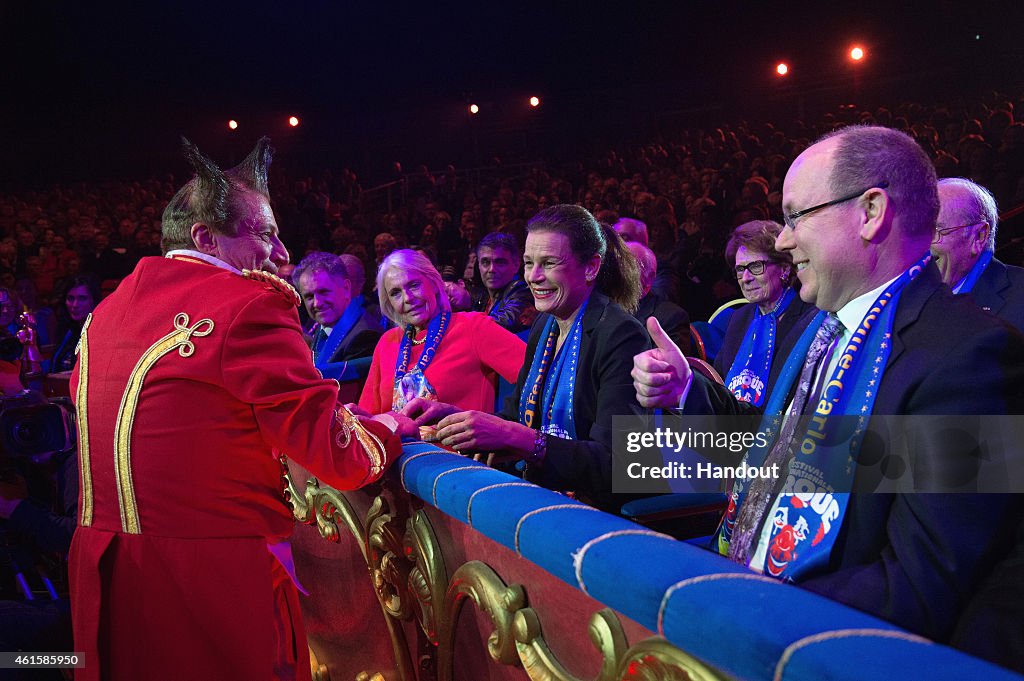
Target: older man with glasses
{"x": 890, "y": 340}
{"x": 964, "y": 250}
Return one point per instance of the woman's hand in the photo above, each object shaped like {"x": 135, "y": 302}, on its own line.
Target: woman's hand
{"x": 475, "y": 430}
{"x": 427, "y": 412}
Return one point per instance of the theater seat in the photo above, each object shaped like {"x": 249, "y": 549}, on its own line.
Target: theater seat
{"x": 684, "y": 516}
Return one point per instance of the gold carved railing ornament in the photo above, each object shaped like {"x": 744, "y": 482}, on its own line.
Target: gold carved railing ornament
{"x": 409, "y": 577}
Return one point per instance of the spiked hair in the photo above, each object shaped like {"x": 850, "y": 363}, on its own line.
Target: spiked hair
{"x": 210, "y": 196}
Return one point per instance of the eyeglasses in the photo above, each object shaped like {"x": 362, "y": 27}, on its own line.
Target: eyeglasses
{"x": 939, "y": 232}
{"x": 791, "y": 218}
{"x": 755, "y": 267}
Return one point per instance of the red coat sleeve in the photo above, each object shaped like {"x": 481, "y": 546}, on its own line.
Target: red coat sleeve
{"x": 266, "y": 364}
{"x": 499, "y": 348}
{"x": 370, "y": 397}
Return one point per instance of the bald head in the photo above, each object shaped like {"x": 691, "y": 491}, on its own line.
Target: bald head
{"x": 865, "y": 197}
{"x": 966, "y": 227}
{"x": 631, "y": 230}
{"x": 356, "y": 272}
{"x": 648, "y": 265}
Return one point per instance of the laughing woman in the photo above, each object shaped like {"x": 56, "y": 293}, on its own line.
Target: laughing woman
{"x": 434, "y": 353}
{"x": 579, "y": 356}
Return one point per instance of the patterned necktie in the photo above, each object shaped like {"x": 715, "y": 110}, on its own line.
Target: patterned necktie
{"x": 761, "y": 493}
{"x": 319, "y": 338}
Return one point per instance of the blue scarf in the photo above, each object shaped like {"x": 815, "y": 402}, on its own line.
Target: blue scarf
{"x": 552, "y": 381}
{"x": 748, "y": 377}
{"x": 322, "y": 356}
{"x": 413, "y": 383}
{"x": 968, "y": 282}
{"x": 805, "y": 524}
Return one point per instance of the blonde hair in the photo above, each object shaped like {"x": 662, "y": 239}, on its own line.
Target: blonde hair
{"x": 412, "y": 262}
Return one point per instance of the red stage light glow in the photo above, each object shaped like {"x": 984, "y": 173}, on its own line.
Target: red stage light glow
{"x": 857, "y": 53}
{"x": 782, "y": 69}
{"x": 474, "y": 109}
{"x": 293, "y": 121}
{"x": 535, "y": 101}
{"x": 233, "y": 124}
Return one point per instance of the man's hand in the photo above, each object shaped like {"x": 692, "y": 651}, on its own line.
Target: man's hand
{"x": 661, "y": 375}
{"x": 357, "y": 410}
{"x": 405, "y": 427}
{"x": 427, "y": 412}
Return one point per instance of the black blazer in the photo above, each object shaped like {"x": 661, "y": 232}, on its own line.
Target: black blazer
{"x": 604, "y": 388}
{"x": 916, "y": 559}
{"x": 1000, "y": 290}
{"x": 673, "y": 319}
{"x": 360, "y": 340}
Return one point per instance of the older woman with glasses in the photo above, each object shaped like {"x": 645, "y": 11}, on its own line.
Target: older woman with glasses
{"x": 767, "y": 327}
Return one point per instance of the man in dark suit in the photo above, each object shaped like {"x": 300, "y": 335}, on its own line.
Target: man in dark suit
{"x": 963, "y": 248}
{"x": 860, "y": 209}
{"x": 506, "y": 298}
{"x": 343, "y": 331}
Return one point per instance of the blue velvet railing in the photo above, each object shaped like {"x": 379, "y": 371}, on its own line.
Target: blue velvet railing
{"x": 745, "y": 624}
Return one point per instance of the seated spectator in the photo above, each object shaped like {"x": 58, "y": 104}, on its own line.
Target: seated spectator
{"x": 434, "y": 353}
{"x": 861, "y": 207}
{"x": 458, "y": 295}
{"x": 357, "y": 275}
{"x": 80, "y": 296}
{"x": 762, "y": 333}
{"x": 508, "y": 301}
{"x": 964, "y": 250}
{"x": 672, "y": 318}
{"x": 585, "y": 284}
{"x": 343, "y": 331}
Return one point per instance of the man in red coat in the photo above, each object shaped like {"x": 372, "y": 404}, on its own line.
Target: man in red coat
{"x": 191, "y": 376}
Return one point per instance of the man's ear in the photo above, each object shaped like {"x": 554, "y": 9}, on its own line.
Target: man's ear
{"x": 875, "y": 218}
{"x": 980, "y": 240}
{"x": 203, "y": 238}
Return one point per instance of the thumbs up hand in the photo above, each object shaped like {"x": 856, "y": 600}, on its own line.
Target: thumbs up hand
{"x": 661, "y": 375}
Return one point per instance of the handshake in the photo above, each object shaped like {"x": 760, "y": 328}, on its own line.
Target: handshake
{"x": 414, "y": 421}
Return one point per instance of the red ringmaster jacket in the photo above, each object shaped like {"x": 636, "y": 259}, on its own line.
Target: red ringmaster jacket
{"x": 189, "y": 378}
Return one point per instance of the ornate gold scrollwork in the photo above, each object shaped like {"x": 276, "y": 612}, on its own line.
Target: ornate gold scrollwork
{"x": 427, "y": 579}
{"x": 540, "y": 663}
{"x": 389, "y": 568}
{"x": 481, "y": 584}
{"x": 655, "y": 659}
{"x": 410, "y": 580}
{"x": 329, "y": 509}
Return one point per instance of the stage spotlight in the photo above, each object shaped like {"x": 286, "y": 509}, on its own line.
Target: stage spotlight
{"x": 857, "y": 53}
{"x": 474, "y": 109}
{"x": 293, "y": 121}
{"x": 534, "y": 101}
{"x": 233, "y": 124}
{"x": 782, "y": 69}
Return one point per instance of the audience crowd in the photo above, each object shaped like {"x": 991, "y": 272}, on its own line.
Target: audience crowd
{"x": 691, "y": 191}
{"x": 671, "y": 230}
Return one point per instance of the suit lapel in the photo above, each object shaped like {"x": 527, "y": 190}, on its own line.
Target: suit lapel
{"x": 911, "y": 302}
{"x": 992, "y": 287}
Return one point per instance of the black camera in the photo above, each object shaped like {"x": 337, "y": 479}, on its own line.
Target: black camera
{"x": 31, "y": 425}
{"x": 10, "y": 349}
